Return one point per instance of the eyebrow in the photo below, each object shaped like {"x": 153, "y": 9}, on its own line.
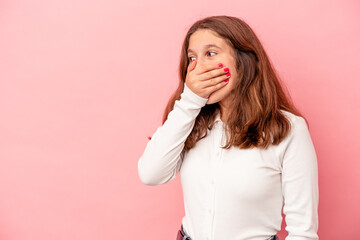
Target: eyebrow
{"x": 206, "y": 46}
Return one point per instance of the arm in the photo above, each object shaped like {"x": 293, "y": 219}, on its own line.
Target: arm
{"x": 163, "y": 154}
{"x": 300, "y": 184}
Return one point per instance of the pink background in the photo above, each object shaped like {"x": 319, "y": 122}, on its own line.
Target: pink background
{"x": 83, "y": 83}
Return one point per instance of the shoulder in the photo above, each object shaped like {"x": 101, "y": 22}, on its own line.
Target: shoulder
{"x": 294, "y": 120}
{"x": 298, "y": 126}
{"x": 289, "y": 115}
{"x": 298, "y": 142}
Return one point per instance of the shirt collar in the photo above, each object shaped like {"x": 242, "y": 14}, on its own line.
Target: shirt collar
{"x": 217, "y": 118}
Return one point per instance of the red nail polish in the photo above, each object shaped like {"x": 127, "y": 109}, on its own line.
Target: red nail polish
{"x": 226, "y": 69}
{"x": 220, "y": 64}
{"x": 228, "y": 74}
{"x": 226, "y": 80}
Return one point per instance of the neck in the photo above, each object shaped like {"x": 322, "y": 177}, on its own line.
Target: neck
{"x": 223, "y": 112}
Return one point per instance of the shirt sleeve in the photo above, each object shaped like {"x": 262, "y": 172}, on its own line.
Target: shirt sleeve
{"x": 300, "y": 184}
{"x": 163, "y": 154}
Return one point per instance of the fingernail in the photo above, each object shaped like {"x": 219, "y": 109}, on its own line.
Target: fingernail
{"x": 220, "y": 64}
{"x": 226, "y": 80}
{"x": 226, "y": 69}
{"x": 228, "y": 74}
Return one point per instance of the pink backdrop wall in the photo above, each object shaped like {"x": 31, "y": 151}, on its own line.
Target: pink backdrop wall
{"x": 83, "y": 83}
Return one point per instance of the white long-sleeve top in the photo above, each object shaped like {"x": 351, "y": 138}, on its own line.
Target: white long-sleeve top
{"x": 235, "y": 194}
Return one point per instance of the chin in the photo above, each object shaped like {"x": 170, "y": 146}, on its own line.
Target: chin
{"x": 219, "y": 94}
{"x": 214, "y": 98}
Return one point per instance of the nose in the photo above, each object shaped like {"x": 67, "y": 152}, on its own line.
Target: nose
{"x": 202, "y": 62}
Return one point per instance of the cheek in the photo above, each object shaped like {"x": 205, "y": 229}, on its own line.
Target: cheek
{"x": 234, "y": 77}
{"x": 232, "y": 70}
{"x": 231, "y": 64}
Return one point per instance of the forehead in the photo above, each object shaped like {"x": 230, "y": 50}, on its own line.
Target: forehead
{"x": 203, "y": 37}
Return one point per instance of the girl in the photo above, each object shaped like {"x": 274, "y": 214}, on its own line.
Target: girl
{"x": 243, "y": 150}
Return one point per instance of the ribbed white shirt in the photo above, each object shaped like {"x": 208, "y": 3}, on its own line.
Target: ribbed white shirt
{"x": 235, "y": 194}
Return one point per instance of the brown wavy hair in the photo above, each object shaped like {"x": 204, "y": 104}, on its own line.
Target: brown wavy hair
{"x": 255, "y": 119}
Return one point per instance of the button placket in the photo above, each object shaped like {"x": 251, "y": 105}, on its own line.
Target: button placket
{"x": 216, "y": 163}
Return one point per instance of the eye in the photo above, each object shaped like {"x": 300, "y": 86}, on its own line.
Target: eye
{"x": 190, "y": 58}
{"x": 211, "y": 52}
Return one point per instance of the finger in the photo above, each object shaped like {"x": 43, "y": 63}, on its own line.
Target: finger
{"x": 206, "y": 68}
{"x": 216, "y": 80}
{"x": 215, "y": 87}
{"x": 215, "y": 73}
